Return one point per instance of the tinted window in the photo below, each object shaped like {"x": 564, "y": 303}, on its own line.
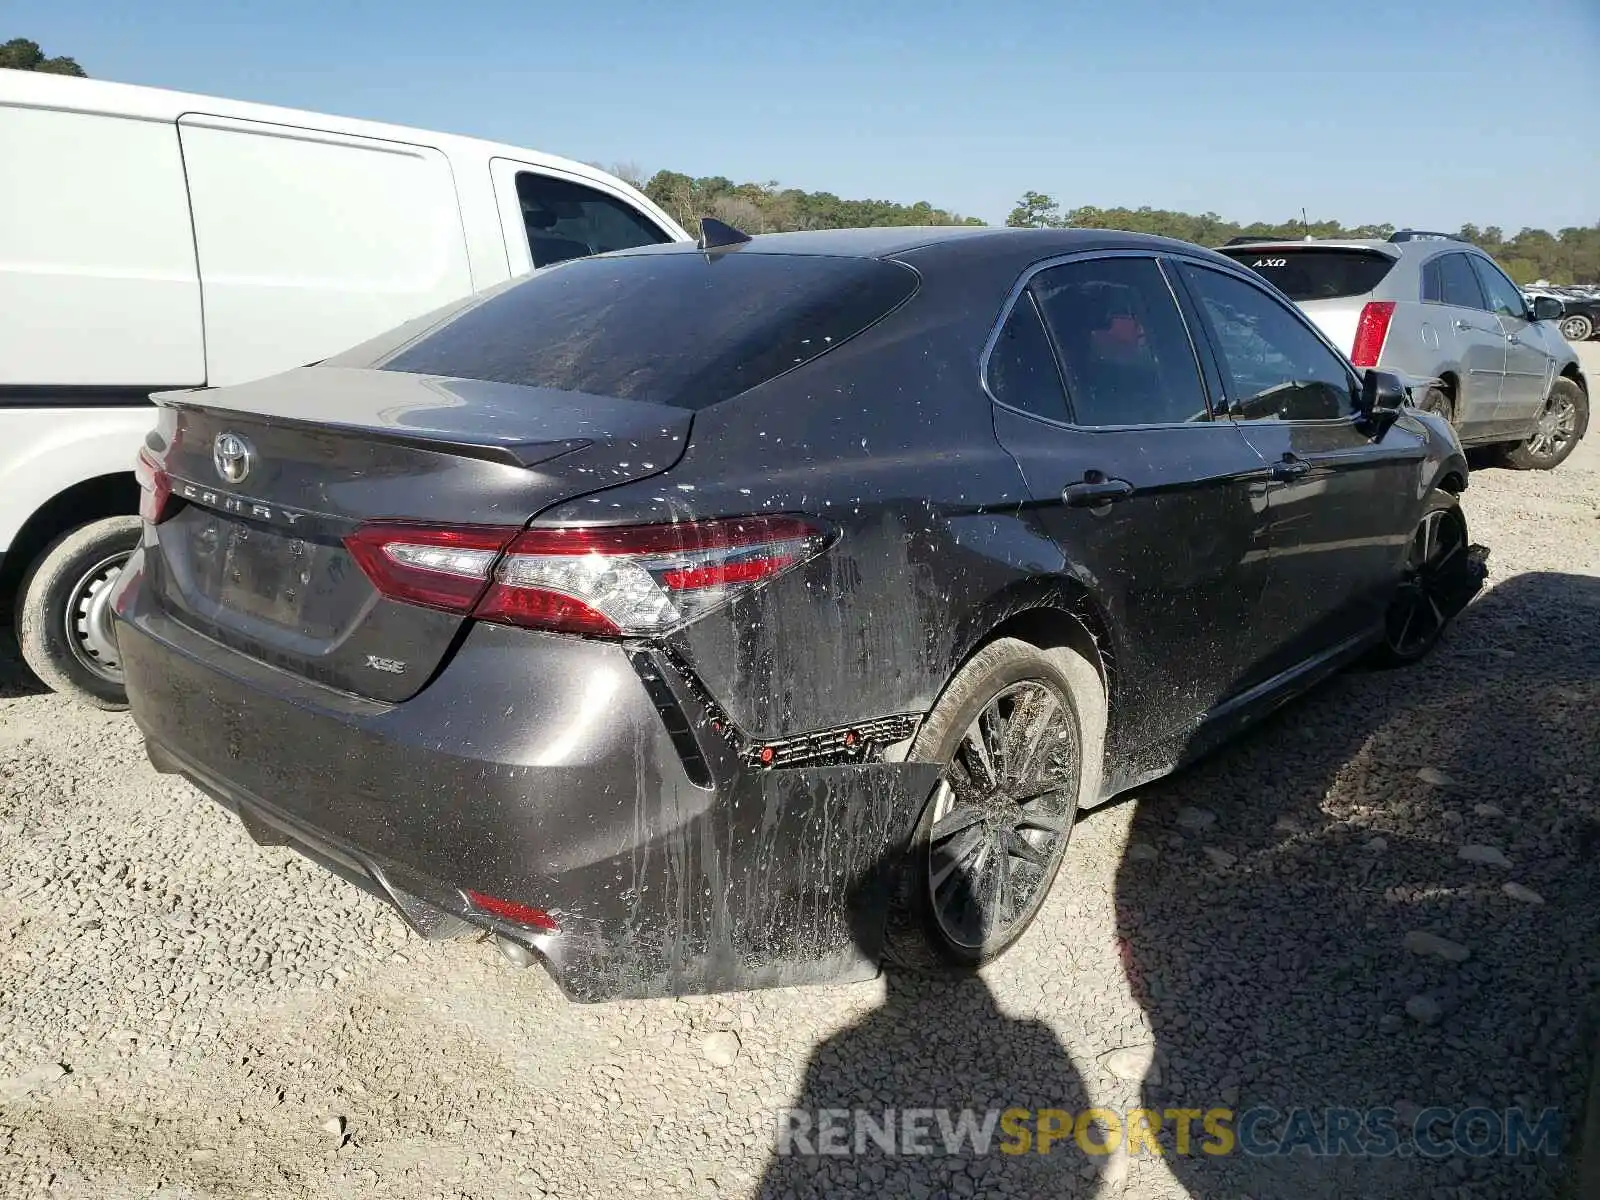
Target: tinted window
{"x": 567, "y": 220}
{"x": 1320, "y": 274}
{"x": 671, "y": 328}
{"x": 1457, "y": 284}
{"x": 1504, "y": 298}
{"x": 1022, "y": 368}
{"x": 1277, "y": 368}
{"x": 1123, "y": 347}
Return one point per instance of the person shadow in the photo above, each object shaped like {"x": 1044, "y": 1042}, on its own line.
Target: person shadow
{"x": 913, "y": 1099}
{"x": 1277, "y": 902}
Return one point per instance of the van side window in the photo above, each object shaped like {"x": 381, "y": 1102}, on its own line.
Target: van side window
{"x": 567, "y": 220}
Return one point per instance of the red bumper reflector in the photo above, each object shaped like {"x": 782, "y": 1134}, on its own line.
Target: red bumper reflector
{"x": 510, "y": 910}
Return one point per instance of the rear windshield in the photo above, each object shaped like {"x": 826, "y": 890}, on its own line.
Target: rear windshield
{"x": 671, "y": 328}
{"x": 1319, "y": 274}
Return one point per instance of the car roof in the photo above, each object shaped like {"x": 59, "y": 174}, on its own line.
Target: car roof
{"x": 930, "y": 244}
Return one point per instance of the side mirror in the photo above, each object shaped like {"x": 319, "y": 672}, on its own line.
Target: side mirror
{"x": 1547, "y": 308}
{"x": 1383, "y": 395}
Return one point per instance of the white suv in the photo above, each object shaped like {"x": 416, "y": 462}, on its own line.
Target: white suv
{"x": 152, "y": 239}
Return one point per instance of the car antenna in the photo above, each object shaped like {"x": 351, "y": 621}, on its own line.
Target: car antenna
{"x": 1306, "y": 225}
{"x": 718, "y": 235}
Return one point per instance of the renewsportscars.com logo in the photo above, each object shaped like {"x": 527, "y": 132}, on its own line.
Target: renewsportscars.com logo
{"x": 1257, "y": 1132}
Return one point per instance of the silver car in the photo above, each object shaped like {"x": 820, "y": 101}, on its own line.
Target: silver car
{"x": 1439, "y": 312}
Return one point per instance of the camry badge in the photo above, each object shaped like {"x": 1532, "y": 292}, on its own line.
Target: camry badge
{"x": 232, "y": 456}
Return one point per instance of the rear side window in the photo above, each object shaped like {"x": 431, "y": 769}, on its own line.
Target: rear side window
{"x": 567, "y": 220}
{"x": 1317, "y": 274}
{"x": 1022, "y": 369}
{"x": 1449, "y": 279}
{"x": 674, "y": 328}
{"x": 1123, "y": 347}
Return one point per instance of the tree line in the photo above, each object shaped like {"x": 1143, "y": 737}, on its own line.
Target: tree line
{"x": 1570, "y": 255}
{"x": 772, "y": 208}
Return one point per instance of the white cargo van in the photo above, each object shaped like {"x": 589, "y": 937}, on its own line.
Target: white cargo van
{"x": 152, "y": 239}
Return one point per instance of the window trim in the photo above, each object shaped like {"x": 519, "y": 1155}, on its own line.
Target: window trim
{"x": 1021, "y": 286}
{"x": 1289, "y": 306}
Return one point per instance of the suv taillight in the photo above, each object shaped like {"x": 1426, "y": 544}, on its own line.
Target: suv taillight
{"x": 611, "y": 582}
{"x": 1372, "y": 327}
{"x": 155, "y": 488}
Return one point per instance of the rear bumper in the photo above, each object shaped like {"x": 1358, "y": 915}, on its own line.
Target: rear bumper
{"x": 550, "y": 771}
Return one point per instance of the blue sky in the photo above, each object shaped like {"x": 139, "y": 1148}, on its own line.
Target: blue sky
{"x": 1484, "y": 110}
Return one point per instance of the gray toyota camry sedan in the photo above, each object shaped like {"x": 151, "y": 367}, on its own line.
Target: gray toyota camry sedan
{"x": 694, "y": 618}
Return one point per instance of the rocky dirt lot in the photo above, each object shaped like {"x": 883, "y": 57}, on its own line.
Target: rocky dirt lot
{"x": 183, "y": 1014}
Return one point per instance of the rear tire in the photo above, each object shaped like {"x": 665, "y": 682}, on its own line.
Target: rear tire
{"x": 1577, "y": 328}
{"x": 1020, "y": 733}
{"x": 1561, "y": 427}
{"x": 63, "y": 619}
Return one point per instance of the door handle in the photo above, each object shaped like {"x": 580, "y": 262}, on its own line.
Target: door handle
{"x": 1095, "y": 490}
{"x": 1290, "y": 466}
{"x": 1469, "y": 327}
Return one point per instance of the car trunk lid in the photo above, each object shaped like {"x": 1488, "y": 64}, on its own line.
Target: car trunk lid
{"x": 270, "y": 477}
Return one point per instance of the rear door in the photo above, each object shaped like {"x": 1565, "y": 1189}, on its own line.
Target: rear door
{"x": 1101, "y": 402}
{"x": 1527, "y": 367}
{"x": 1470, "y": 338}
{"x": 548, "y": 217}
{"x": 1341, "y": 506}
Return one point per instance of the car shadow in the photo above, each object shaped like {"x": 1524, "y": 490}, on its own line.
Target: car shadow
{"x": 1265, "y": 905}
{"x": 1262, "y": 910}
{"x": 916, "y": 1089}
{"x": 15, "y": 677}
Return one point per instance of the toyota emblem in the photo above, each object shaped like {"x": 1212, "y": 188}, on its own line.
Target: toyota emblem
{"x": 232, "y": 456}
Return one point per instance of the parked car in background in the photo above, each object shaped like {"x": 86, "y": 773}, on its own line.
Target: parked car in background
{"x": 742, "y": 642}
{"x": 1439, "y": 312}
{"x": 1580, "y": 310}
{"x": 152, "y": 239}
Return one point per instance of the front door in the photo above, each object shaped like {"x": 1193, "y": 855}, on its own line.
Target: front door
{"x": 1342, "y": 506}
{"x": 1522, "y": 394}
{"x": 1156, "y": 506}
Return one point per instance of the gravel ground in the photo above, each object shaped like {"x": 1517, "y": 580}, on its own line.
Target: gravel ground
{"x": 184, "y": 1014}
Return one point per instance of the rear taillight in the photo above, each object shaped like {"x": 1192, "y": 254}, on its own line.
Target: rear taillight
{"x": 611, "y": 582}
{"x": 1372, "y": 327}
{"x": 436, "y": 566}
{"x": 155, "y": 488}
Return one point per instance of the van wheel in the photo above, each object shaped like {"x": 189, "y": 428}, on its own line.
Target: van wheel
{"x": 1020, "y": 734}
{"x": 1560, "y": 427}
{"x": 64, "y": 616}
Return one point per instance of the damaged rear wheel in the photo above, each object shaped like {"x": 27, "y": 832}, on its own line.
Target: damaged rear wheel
{"x": 1020, "y": 734}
